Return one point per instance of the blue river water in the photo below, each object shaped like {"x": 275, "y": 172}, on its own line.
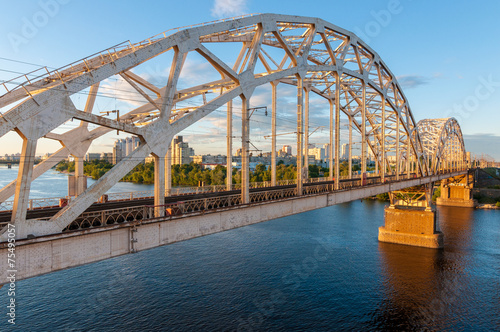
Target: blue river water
{"x": 322, "y": 270}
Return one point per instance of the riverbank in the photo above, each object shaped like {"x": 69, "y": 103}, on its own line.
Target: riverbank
{"x": 488, "y": 207}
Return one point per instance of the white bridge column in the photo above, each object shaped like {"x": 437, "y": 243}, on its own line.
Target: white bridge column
{"x": 168, "y": 171}
{"x": 383, "y": 164}
{"x": 408, "y": 153}
{"x": 23, "y": 184}
{"x": 330, "y": 148}
{"x": 306, "y": 132}
{"x": 80, "y": 178}
{"x": 300, "y": 133}
{"x": 337, "y": 131}
{"x": 363, "y": 131}
{"x": 398, "y": 157}
{"x": 350, "y": 147}
{"x": 229, "y": 146}
{"x": 159, "y": 185}
{"x": 245, "y": 154}
{"x": 273, "y": 134}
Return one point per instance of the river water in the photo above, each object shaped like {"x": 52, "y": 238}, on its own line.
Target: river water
{"x": 322, "y": 270}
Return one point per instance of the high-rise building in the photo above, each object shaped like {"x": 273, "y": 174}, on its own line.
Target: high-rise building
{"x": 132, "y": 144}
{"x": 318, "y": 153}
{"x": 326, "y": 147}
{"x": 118, "y": 150}
{"x": 287, "y": 149}
{"x": 181, "y": 152}
{"x": 345, "y": 151}
{"x": 123, "y": 147}
{"x": 117, "y": 153}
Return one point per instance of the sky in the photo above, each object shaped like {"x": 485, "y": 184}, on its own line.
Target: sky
{"x": 444, "y": 53}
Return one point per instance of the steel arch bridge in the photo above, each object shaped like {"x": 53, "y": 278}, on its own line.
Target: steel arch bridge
{"x": 309, "y": 53}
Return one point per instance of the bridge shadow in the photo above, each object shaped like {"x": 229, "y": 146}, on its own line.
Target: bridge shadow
{"x": 421, "y": 286}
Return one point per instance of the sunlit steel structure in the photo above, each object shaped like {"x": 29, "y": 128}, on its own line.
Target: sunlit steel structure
{"x": 309, "y": 53}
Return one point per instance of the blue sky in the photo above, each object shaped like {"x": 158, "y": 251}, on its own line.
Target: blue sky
{"x": 445, "y": 53}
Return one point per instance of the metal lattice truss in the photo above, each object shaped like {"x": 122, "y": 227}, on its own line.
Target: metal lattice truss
{"x": 310, "y": 53}
{"x": 413, "y": 196}
{"x": 442, "y": 142}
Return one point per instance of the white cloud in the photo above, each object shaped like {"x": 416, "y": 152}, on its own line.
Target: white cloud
{"x": 412, "y": 81}
{"x": 225, "y": 8}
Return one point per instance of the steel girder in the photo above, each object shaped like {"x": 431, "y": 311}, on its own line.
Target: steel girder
{"x": 328, "y": 60}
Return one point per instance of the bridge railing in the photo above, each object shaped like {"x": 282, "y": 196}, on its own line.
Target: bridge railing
{"x": 60, "y": 74}
{"x": 35, "y": 203}
{"x": 173, "y": 210}
{"x": 147, "y": 213}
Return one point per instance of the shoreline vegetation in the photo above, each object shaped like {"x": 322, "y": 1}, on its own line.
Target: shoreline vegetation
{"x": 193, "y": 175}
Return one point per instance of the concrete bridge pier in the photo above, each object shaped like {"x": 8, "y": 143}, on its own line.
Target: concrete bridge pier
{"x": 457, "y": 191}
{"x": 411, "y": 226}
{"x": 411, "y": 221}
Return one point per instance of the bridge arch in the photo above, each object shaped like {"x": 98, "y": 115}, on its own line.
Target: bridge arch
{"x": 309, "y": 53}
{"x": 442, "y": 142}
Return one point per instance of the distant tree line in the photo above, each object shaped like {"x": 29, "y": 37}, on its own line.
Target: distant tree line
{"x": 193, "y": 175}
{"x": 95, "y": 168}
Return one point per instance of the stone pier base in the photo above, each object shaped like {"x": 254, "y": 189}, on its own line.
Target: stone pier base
{"x": 413, "y": 227}
{"x": 459, "y": 195}
{"x": 457, "y": 202}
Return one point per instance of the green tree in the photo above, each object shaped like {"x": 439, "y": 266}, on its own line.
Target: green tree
{"x": 313, "y": 171}
{"x": 436, "y": 194}
{"x": 383, "y": 197}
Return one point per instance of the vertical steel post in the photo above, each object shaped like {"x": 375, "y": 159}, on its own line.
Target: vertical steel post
{"x": 331, "y": 146}
{"x": 408, "y": 153}
{"x": 273, "y": 134}
{"x": 350, "y": 147}
{"x": 306, "y": 132}
{"x": 363, "y": 130}
{"x": 229, "y": 146}
{"x": 168, "y": 170}
{"x": 398, "y": 157}
{"x": 79, "y": 176}
{"x": 337, "y": 131}
{"x": 300, "y": 133}
{"x": 383, "y": 159}
{"x": 245, "y": 153}
{"x": 159, "y": 201}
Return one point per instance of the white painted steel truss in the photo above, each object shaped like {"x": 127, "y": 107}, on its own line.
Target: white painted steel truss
{"x": 309, "y": 53}
{"x": 442, "y": 142}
